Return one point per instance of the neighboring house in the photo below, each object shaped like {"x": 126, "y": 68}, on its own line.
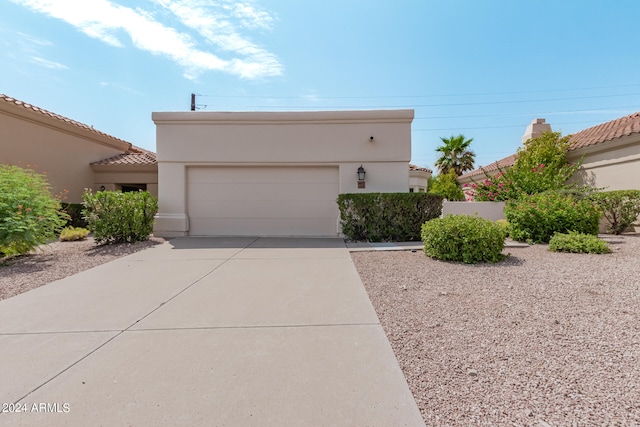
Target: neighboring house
{"x": 273, "y": 173}
{"x": 610, "y": 154}
{"x": 74, "y": 156}
{"x": 418, "y": 179}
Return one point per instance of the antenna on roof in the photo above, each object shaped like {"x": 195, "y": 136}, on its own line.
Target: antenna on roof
{"x": 195, "y": 106}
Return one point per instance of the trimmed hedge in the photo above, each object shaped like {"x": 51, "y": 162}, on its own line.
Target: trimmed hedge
{"x": 116, "y": 217}
{"x": 387, "y": 217}
{"x": 620, "y": 208}
{"x": 465, "y": 238}
{"x": 535, "y": 218}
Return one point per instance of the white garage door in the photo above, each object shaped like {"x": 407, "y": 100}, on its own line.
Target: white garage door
{"x": 262, "y": 201}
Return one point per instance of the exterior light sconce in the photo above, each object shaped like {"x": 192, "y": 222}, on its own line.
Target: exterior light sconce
{"x": 361, "y": 174}
{"x": 102, "y": 188}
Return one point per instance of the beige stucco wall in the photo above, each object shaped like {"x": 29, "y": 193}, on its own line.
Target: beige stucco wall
{"x": 488, "y": 210}
{"x": 613, "y": 166}
{"x": 326, "y": 138}
{"x": 64, "y": 155}
{"x": 418, "y": 180}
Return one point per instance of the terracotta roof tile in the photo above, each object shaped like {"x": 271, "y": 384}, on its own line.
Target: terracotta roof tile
{"x": 618, "y": 128}
{"x": 137, "y": 157}
{"x": 418, "y": 168}
{"x": 44, "y": 112}
{"x": 503, "y": 163}
{"x": 605, "y": 132}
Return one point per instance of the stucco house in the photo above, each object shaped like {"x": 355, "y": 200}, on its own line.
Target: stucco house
{"x": 217, "y": 173}
{"x": 73, "y": 155}
{"x": 273, "y": 173}
{"x": 610, "y": 154}
{"x": 418, "y": 178}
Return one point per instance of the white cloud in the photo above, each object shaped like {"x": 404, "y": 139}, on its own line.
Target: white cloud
{"x": 108, "y": 21}
{"x": 214, "y": 22}
{"x": 34, "y": 40}
{"x": 251, "y": 17}
{"x": 49, "y": 64}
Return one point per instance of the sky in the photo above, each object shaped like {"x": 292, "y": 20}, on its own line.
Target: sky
{"x": 484, "y": 69}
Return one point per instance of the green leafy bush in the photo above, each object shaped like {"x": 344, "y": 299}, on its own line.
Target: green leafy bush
{"x": 378, "y": 217}
{"x": 578, "y": 243}
{"x": 69, "y": 234}
{"x": 447, "y": 186}
{"x": 116, "y": 217}
{"x": 29, "y": 214}
{"x": 534, "y": 218}
{"x": 540, "y": 165}
{"x": 504, "y": 224}
{"x": 465, "y": 238}
{"x": 619, "y": 208}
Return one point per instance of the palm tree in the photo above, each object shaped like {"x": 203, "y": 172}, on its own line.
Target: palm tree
{"x": 455, "y": 155}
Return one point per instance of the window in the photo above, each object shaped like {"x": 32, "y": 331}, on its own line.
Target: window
{"x": 132, "y": 187}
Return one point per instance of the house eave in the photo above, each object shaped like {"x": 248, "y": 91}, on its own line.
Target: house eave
{"x": 151, "y": 167}
{"x": 285, "y": 117}
{"x": 42, "y": 119}
{"x": 604, "y": 146}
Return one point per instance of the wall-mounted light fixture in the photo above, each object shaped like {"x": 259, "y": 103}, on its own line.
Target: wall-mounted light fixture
{"x": 371, "y": 138}
{"x": 102, "y": 188}
{"x": 361, "y": 174}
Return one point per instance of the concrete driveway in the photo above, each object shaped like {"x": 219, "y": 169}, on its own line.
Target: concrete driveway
{"x": 204, "y": 331}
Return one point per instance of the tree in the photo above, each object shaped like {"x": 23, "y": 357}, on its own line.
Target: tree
{"x": 455, "y": 155}
{"x": 541, "y": 165}
{"x": 446, "y": 185}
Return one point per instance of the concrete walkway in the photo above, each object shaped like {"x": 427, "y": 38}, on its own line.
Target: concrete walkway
{"x": 204, "y": 331}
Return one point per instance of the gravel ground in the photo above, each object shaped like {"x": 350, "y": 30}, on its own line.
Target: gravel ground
{"x": 58, "y": 260}
{"x": 536, "y": 340}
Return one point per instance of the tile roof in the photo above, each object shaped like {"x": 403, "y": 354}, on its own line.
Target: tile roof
{"x": 503, "y": 163}
{"x": 418, "y": 168}
{"x": 135, "y": 156}
{"x": 618, "y": 128}
{"x": 605, "y": 132}
{"x": 10, "y": 100}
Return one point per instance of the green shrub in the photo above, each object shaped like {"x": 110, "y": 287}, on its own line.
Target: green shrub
{"x": 578, "y": 243}
{"x": 447, "y": 186}
{"x": 116, "y": 217}
{"x": 540, "y": 165}
{"x": 29, "y": 214}
{"x": 619, "y": 208}
{"x": 465, "y": 238}
{"x": 534, "y": 218}
{"x": 377, "y": 217}
{"x": 504, "y": 224}
{"x": 69, "y": 234}
{"x": 74, "y": 210}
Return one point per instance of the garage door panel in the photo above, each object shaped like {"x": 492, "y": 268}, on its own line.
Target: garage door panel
{"x": 267, "y": 191}
{"x": 265, "y": 209}
{"x": 283, "y": 201}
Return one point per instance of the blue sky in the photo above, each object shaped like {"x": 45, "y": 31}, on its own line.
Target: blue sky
{"x": 481, "y": 68}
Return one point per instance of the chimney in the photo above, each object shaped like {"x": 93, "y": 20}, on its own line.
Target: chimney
{"x": 536, "y": 128}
